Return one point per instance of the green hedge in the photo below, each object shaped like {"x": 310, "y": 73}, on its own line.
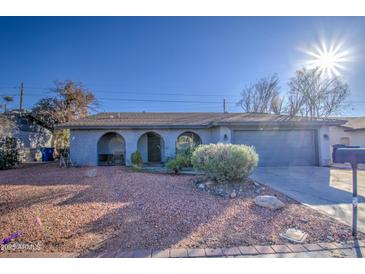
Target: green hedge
{"x": 225, "y": 162}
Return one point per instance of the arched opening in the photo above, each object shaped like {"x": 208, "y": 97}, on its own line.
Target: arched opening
{"x": 152, "y": 147}
{"x": 111, "y": 150}
{"x": 187, "y": 140}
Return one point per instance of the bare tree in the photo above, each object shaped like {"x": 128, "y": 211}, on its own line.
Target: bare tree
{"x": 263, "y": 96}
{"x": 312, "y": 94}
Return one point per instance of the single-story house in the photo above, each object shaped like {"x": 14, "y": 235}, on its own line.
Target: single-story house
{"x": 280, "y": 140}
{"x": 351, "y": 133}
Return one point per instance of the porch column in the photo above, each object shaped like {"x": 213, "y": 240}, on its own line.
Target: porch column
{"x": 131, "y": 140}
{"x": 170, "y": 144}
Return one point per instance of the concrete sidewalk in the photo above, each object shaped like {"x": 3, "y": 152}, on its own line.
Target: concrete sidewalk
{"x": 328, "y": 190}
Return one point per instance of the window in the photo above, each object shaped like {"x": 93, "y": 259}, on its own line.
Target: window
{"x": 345, "y": 141}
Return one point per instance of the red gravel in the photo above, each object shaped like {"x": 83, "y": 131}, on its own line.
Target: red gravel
{"x": 65, "y": 211}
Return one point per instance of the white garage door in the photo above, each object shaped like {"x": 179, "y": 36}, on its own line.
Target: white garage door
{"x": 281, "y": 147}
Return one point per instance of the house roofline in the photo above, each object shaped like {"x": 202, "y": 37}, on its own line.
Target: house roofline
{"x": 347, "y": 129}
{"x": 210, "y": 125}
{"x": 131, "y": 126}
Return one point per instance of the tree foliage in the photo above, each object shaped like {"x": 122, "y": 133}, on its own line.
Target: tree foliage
{"x": 7, "y": 99}
{"x": 71, "y": 102}
{"x": 9, "y": 153}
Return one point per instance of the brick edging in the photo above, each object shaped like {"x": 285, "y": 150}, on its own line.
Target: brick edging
{"x": 233, "y": 251}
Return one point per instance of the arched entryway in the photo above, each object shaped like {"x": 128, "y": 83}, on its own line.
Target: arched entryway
{"x": 111, "y": 149}
{"x": 152, "y": 147}
{"x": 187, "y": 140}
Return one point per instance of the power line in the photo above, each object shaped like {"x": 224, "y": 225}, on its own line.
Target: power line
{"x": 163, "y": 101}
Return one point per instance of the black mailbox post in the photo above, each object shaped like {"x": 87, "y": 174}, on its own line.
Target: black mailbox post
{"x": 354, "y": 156}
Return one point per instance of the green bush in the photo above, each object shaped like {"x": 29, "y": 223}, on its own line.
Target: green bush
{"x": 172, "y": 164}
{"x": 185, "y": 156}
{"x": 176, "y": 164}
{"x": 9, "y": 155}
{"x": 137, "y": 160}
{"x": 225, "y": 162}
{"x": 182, "y": 159}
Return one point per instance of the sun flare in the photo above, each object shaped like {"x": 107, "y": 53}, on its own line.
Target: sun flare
{"x": 328, "y": 59}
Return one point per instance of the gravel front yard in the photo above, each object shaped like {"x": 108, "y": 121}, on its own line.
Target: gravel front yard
{"x": 65, "y": 211}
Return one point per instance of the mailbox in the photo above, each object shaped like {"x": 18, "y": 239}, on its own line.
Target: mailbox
{"x": 350, "y": 155}
{"x": 335, "y": 147}
{"x": 354, "y": 156}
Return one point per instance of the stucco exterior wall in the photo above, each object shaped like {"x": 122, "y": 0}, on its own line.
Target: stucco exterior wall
{"x": 324, "y": 148}
{"x": 356, "y": 138}
{"x": 84, "y": 142}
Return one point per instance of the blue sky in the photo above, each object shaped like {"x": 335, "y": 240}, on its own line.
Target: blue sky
{"x": 163, "y": 60}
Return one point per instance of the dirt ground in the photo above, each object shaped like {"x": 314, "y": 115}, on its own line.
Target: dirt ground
{"x": 63, "y": 210}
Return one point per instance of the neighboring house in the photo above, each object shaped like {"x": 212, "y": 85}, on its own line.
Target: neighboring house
{"x": 111, "y": 138}
{"x": 30, "y": 133}
{"x": 352, "y": 133}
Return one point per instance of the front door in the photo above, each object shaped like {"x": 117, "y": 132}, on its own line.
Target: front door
{"x": 154, "y": 147}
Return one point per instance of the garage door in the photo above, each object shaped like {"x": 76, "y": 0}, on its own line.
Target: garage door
{"x": 281, "y": 147}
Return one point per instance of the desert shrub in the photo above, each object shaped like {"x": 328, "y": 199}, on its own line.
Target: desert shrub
{"x": 225, "y": 162}
{"x": 177, "y": 163}
{"x": 185, "y": 155}
{"x": 172, "y": 164}
{"x": 182, "y": 159}
{"x": 9, "y": 154}
{"x": 136, "y": 159}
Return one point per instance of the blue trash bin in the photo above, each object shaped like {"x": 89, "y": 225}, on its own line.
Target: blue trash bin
{"x": 47, "y": 154}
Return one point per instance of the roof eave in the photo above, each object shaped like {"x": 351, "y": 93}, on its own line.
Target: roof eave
{"x": 88, "y": 127}
{"x": 281, "y": 123}
{"x": 353, "y": 129}
{"x": 253, "y": 123}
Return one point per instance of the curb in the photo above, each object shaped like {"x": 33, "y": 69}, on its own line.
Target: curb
{"x": 233, "y": 251}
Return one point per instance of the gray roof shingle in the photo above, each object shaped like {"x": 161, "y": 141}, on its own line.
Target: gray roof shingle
{"x": 354, "y": 123}
{"x": 187, "y": 119}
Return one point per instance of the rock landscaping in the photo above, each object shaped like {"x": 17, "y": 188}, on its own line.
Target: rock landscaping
{"x": 269, "y": 202}
{"x": 91, "y": 173}
{"x": 121, "y": 209}
{"x": 247, "y": 188}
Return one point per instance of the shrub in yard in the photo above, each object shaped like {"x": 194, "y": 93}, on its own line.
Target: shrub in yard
{"x": 137, "y": 160}
{"x": 9, "y": 154}
{"x": 185, "y": 156}
{"x": 172, "y": 164}
{"x": 177, "y": 163}
{"x": 182, "y": 159}
{"x": 225, "y": 162}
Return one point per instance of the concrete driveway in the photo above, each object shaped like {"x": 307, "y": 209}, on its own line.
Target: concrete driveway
{"x": 325, "y": 189}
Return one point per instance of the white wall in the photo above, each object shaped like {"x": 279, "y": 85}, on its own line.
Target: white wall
{"x": 83, "y": 147}
{"x": 324, "y": 149}
{"x": 357, "y": 138}
{"x": 142, "y": 147}
{"x": 84, "y": 142}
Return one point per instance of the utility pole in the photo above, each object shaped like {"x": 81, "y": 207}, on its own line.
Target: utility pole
{"x": 21, "y": 97}
{"x": 224, "y": 106}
